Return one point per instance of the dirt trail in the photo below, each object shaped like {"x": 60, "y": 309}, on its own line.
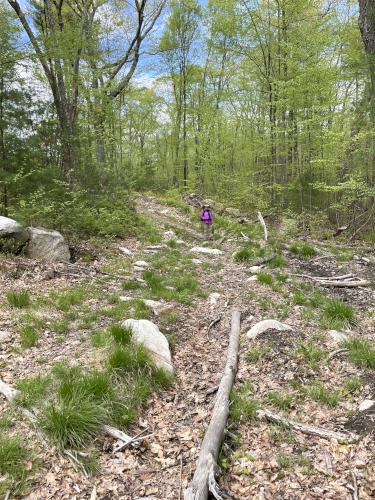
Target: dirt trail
{"x": 161, "y": 467}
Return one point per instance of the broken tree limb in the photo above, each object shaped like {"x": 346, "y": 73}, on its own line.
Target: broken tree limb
{"x": 306, "y": 429}
{"x": 337, "y": 352}
{"x": 203, "y": 480}
{"x": 212, "y": 324}
{"x": 261, "y": 220}
{"x": 343, "y": 284}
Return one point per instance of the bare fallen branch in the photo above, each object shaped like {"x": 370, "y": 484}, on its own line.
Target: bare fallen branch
{"x": 336, "y": 353}
{"x": 134, "y": 440}
{"x": 204, "y": 481}
{"x": 343, "y": 284}
{"x": 307, "y": 429}
{"x": 212, "y": 324}
{"x": 261, "y": 220}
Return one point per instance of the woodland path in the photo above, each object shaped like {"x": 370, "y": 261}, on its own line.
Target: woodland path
{"x": 162, "y": 466}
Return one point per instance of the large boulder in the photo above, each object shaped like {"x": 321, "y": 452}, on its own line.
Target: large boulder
{"x": 13, "y": 236}
{"x": 46, "y": 245}
{"x": 147, "y": 333}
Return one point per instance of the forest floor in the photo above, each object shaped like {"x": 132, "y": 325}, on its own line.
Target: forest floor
{"x": 287, "y": 372}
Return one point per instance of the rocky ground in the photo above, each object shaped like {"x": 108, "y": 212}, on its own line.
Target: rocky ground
{"x": 278, "y": 371}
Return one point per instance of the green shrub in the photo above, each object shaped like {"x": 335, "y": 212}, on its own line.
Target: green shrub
{"x": 303, "y": 250}
{"x": 18, "y": 299}
{"x": 278, "y": 261}
{"x": 361, "y": 352}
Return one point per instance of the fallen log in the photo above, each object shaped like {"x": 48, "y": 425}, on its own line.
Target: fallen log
{"x": 343, "y": 284}
{"x": 307, "y": 429}
{"x": 204, "y": 480}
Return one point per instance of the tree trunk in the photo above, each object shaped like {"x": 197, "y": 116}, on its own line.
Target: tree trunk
{"x": 366, "y": 23}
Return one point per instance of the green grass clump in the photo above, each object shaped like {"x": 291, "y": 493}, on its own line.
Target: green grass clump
{"x": 129, "y": 359}
{"x": 15, "y": 470}
{"x": 299, "y": 298}
{"x": 281, "y": 434}
{"x": 98, "y": 338}
{"x": 361, "y": 352}
{"x": 279, "y": 400}
{"x": 141, "y": 310}
{"x": 337, "y": 315}
{"x": 243, "y": 255}
{"x": 61, "y": 326}
{"x": 122, "y": 335}
{"x": 317, "y": 299}
{"x": 130, "y": 285}
{"x": 243, "y": 406}
{"x": 353, "y": 384}
{"x": 278, "y": 261}
{"x": 72, "y": 297}
{"x": 74, "y": 421}
{"x": 257, "y": 354}
{"x": 310, "y": 353}
{"x": 29, "y": 336}
{"x": 284, "y": 461}
{"x": 303, "y": 250}
{"x": 265, "y": 278}
{"x": 32, "y": 390}
{"x": 18, "y": 299}
{"x": 318, "y": 392}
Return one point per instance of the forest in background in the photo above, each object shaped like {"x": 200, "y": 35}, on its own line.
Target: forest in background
{"x": 260, "y": 104}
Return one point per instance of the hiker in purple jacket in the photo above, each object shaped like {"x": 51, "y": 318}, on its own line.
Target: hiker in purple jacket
{"x": 206, "y": 218}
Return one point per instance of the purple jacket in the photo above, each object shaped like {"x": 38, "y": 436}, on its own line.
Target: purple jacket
{"x": 206, "y": 216}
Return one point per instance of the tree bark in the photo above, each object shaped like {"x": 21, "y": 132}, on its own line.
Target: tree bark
{"x": 203, "y": 481}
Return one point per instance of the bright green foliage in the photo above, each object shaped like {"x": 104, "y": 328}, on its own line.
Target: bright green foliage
{"x": 71, "y": 297}
{"x": 18, "y": 299}
{"x": 303, "y": 250}
{"x": 311, "y": 353}
{"x": 29, "y": 336}
{"x": 130, "y": 285}
{"x": 32, "y": 390}
{"x": 243, "y": 255}
{"x": 361, "y": 352}
{"x": 336, "y": 314}
{"x": 353, "y": 384}
{"x": 243, "y": 406}
{"x": 122, "y": 335}
{"x": 280, "y": 400}
{"x": 257, "y": 354}
{"x": 14, "y": 466}
{"x": 318, "y": 392}
{"x": 265, "y": 278}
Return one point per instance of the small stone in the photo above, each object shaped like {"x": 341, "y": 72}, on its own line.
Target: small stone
{"x": 263, "y": 326}
{"x": 180, "y": 242}
{"x": 196, "y": 261}
{"x": 169, "y": 235}
{"x": 142, "y": 263}
{"x": 213, "y": 298}
{"x": 337, "y": 336}
{"x": 366, "y": 404}
{"x": 252, "y": 278}
{"x": 5, "y": 335}
{"x": 255, "y": 269}
{"x": 125, "y": 298}
{"x": 125, "y": 251}
{"x": 205, "y": 250}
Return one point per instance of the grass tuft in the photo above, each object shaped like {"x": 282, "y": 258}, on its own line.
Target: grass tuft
{"x": 337, "y": 315}
{"x": 279, "y": 400}
{"x": 122, "y": 335}
{"x": 318, "y": 392}
{"x": 361, "y": 352}
{"x": 15, "y": 470}
{"x": 257, "y": 354}
{"x": 243, "y": 406}
{"x": 32, "y": 390}
{"x": 265, "y": 278}
{"x": 18, "y": 299}
{"x": 29, "y": 336}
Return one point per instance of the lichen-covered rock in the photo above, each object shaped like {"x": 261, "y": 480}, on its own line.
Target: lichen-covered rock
{"x": 147, "y": 333}
{"x": 13, "y": 236}
{"x": 46, "y": 245}
{"x": 206, "y": 250}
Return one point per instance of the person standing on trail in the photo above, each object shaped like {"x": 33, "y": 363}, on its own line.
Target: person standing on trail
{"x": 206, "y": 218}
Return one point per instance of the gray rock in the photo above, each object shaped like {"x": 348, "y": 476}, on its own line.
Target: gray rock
{"x": 263, "y": 326}
{"x": 366, "y": 404}
{"x": 13, "y": 236}
{"x": 147, "y": 333}
{"x": 125, "y": 251}
{"x": 169, "y": 235}
{"x": 142, "y": 264}
{"x": 233, "y": 212}
{"x": 337, "y": 337}
{"x": 207, "y": 251}
{"x": 5, "y": 335}
{"x": 46, "y": 245}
